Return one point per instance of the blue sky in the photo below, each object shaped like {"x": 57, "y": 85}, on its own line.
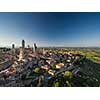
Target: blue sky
{"x": 50, "y": 29}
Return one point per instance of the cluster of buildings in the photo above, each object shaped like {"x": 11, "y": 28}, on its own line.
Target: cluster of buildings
{"x": 17, "y": 62}
{"x": 23, "y": 60}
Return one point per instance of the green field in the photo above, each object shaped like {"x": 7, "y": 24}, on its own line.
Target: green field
{"x": 91, "y": 54}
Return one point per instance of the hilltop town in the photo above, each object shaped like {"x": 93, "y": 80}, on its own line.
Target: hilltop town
{"x": 31, "y": 66}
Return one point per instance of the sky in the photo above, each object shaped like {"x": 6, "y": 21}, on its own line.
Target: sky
{"x": 72, "y": 29}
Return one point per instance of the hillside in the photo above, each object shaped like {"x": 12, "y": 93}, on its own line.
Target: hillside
{"x": 88, "y": 76}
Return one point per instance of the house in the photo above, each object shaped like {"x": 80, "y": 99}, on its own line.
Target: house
{"x": 60, "y": 65}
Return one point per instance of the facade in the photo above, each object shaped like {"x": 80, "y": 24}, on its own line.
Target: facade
{"x": 21, "y": 51}
{"x": 21, "y": 54}
{"x": 13, "y": 46}
{"x": 13, "y": 49}
{"x": 23, "y": 44}
{"x": 35, "y": 48}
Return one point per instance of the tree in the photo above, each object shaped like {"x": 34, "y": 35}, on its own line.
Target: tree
{"x": 36, "y": 70}
{"x": 56, "y": 84}
{"x": 68, "y": 74}
{"x": 68, "y": 84}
